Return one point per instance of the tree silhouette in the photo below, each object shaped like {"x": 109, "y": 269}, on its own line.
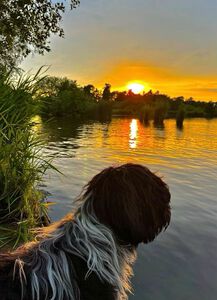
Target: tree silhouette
{"x": 106, "y": 95}
{"x": 89, "y": 89}
{"x": 26, "y": 25}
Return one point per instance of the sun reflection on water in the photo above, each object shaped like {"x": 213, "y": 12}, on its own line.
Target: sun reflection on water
{"x": 133, "y": 133}
{"x": 187, "y": 161}
{"x": 37, "y": 122}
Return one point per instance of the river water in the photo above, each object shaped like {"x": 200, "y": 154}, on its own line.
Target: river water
{"x": 181, "y": 264}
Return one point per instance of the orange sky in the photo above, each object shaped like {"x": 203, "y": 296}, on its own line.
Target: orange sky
{"x": 168, "y": 45}
{"x": 157, "y": 78}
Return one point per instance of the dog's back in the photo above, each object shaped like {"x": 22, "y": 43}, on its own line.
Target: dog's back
{"x": 91, "y": 288}
{"x": 17, "y": 270}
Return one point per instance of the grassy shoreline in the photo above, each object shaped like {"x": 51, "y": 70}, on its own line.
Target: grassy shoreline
{"x": 22, "y": 205}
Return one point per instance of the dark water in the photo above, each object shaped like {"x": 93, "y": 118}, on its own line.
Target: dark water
{"x": 182, "y": 262}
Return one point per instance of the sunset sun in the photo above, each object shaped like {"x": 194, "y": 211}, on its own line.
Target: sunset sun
{"x": 135, "y": 87}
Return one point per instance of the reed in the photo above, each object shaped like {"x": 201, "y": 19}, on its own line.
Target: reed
{"x": 180, "y": 116}
{"x": 22, "y": 165}
{"x": 160, "y": 113}
{"x": 146, "y": 114}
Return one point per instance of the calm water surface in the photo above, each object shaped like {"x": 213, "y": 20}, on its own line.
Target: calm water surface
{"x": 181, "y": 263}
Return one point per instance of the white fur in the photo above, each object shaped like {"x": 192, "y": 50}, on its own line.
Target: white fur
{"x": 19, "y": 264}
{"x": 85, "y": 237}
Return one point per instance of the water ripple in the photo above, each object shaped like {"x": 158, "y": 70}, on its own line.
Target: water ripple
{"x": 181, "y": 263}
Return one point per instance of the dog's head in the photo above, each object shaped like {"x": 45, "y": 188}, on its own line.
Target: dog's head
{"x": 131, "y": 200}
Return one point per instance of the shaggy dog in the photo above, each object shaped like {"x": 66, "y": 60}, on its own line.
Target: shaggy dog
{"x": 89, "y": 255}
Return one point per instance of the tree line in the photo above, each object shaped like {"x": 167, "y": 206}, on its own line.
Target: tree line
{"x": 61, "y": 96}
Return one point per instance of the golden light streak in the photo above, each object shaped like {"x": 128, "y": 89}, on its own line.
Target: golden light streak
{"x": 37, "y": 122}
{"x": 133, "y": 134}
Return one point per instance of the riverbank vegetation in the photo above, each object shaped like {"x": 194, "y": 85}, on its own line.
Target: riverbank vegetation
{"x": 127, "y": 103}
{"x": 22, "y": 165}
{"x": 60, "y": 96}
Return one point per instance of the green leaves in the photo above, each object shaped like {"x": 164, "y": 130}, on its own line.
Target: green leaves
{"x": 26, "y": 25}
{"x": 22, "y": 164}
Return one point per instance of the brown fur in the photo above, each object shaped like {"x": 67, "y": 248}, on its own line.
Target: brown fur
{"x": 132, "y": 201}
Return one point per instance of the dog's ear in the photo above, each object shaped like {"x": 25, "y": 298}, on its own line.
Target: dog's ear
{"x": 132, "y": 201}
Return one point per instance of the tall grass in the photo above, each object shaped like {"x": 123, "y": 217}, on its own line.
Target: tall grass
{"x": 21, "y": 164}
